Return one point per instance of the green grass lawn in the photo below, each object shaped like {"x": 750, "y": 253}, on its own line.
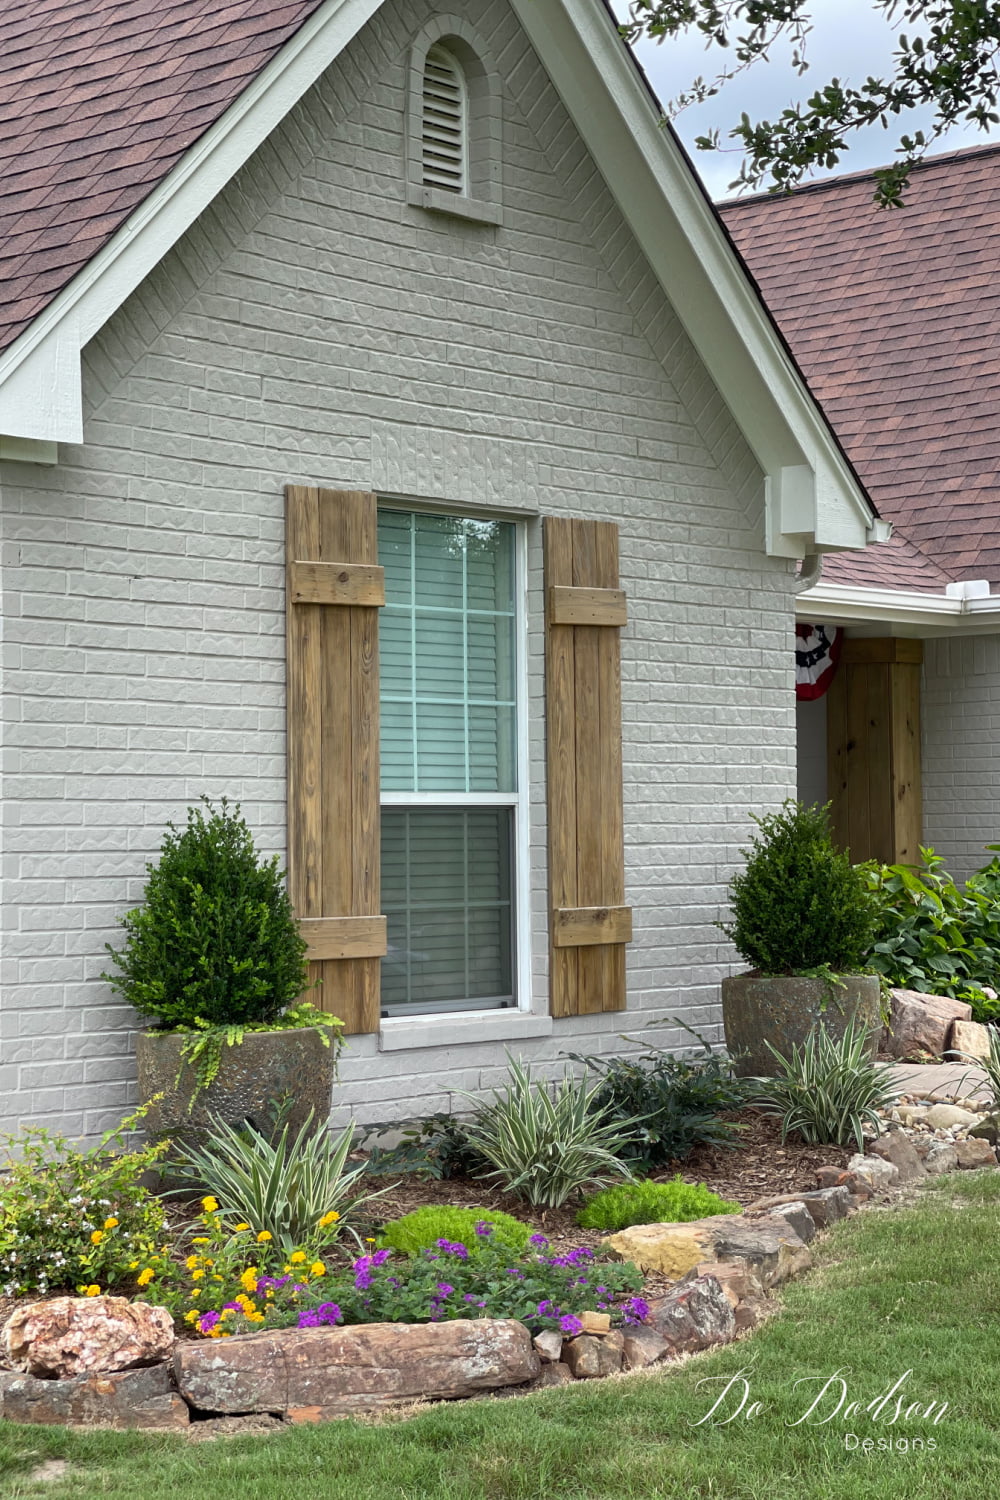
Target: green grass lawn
{"x": 912, "y": 1290}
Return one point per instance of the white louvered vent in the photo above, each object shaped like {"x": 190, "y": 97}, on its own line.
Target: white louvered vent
{"x": 445, "y": 123}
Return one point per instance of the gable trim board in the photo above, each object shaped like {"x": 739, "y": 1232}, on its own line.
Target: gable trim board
{"x": 908, "y": 612}
{"x": 813, "y": 499}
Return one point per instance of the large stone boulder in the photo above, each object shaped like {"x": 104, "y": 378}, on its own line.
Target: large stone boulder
{"x": 919, "y": 1025}
{"x": 897, "y": 1148}
{"x": 87, "y": 1335}
{"x": 968, "y": 1039}
{"x": 769, "y": 1246}
{"x": 313, "y": 1373}
{"x": 128, "y": 1398}
{"x": 697, "y": 1315}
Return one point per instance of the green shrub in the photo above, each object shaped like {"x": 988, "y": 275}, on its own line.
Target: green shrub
{"x": 435, "y": 1146}
{"x": 938, "y": 937}
{"x": 73, "y": 1219}
{"x": 828, "y": 1090}
{"x": 283, "y": 1187}
{"x": 800, "y": 905}
{"x": 674, "y": 1102}
{"x": 547, "y": 1142}
{"x": 215, "y": 942}
{"x": 421, "y": 1229}
{"x": 674, "y": 1202}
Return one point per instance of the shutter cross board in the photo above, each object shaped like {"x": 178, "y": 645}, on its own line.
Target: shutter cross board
{"x": 334, "y": 588}
{"x": 589, "y": 924}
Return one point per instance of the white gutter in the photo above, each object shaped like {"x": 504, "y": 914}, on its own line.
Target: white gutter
{"x": 917, "y": 614}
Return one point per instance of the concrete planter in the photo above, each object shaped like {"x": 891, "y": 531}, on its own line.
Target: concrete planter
{"x": 266, "y": 1070}
{"x": 782, "y": 1011}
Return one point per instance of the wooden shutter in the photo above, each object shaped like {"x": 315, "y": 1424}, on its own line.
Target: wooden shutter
{"x": 589, "y": 925}
{"x": 334, "y": 588}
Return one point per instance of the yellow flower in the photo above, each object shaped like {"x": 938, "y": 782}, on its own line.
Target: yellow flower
{"x": 264, "y": 1236}
{"x": 328, "y": 1219}
{"x": 297, "y": 1257}
{"x": 249, "y": 1279}
{"x": 244, "y": 1302}
{"x": 97, "y": 1236}
{"x": 210, "y": 1205}
{"x": 201, "y": 1241}
{"x": 111, "y": 1223}
{"x": 133, "y": 1265}
{"x": 317, "y": 1268}
{"x": 197, "y": 1275}
{"x": 93, "y": 1291}
{"x": 196, "y": 1293}
{"x": 240, "y": 1228}
{"x": 145, "y": 1277}
{"x": 192, "y": 1261}
{"x": 192, "y": 1316}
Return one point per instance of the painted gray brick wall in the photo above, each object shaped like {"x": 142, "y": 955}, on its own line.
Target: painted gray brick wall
{"x": 961, "y": 723}
{"x": 313, "y": 328}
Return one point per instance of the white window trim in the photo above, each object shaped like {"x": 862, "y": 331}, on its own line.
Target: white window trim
{"x": 415, "y": 1031}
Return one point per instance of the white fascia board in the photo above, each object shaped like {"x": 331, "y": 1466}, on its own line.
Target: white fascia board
{"x": 702, "y": 276}
{"x": 40, "y": 378}
{"x": 924, "y": 615}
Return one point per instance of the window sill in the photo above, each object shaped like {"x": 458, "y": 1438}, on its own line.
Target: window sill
{"x": 403, "y": 1033}
{"x": 455, "y": 205}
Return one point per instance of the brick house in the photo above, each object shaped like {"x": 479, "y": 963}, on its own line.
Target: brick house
{"x": 895, "y": 321}
{"x": 365, "y": 363}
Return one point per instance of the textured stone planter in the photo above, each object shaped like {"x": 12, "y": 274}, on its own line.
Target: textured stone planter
{"x": 782, "y": 1011}
{"x": 266, "y": 1070}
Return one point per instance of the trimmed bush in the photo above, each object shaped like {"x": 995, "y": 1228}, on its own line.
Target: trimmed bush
{"x": 215, "y": 942}
{"x": 674, "y": 1202}
{"x": 421, "y": 1229}
{"x": 800, "y": 905}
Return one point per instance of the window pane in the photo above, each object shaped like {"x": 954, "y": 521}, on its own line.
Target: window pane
{"x": 447, "y": 654}
{"x": 446, "y": 890}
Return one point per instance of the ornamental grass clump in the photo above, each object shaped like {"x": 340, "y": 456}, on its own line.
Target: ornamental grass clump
{"x": 800, "y": 906}
{"x": 282, "y": 1187}
{"x": 549, "y": 1141}
{"x": 674, "y": 1202}
{"x": 827, "y": 1090}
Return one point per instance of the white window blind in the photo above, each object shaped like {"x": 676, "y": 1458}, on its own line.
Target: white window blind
{"x": 445, "y": 123}
{"x": 448, "y": 761}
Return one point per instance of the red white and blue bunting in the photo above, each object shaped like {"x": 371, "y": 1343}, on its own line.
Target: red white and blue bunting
{"x": 817, "y": 651}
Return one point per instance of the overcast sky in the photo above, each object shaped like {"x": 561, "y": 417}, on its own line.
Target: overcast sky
{"x": 850, "y": 41}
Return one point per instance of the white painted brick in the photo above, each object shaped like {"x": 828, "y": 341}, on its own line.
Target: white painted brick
{"x": 307, "y": 319}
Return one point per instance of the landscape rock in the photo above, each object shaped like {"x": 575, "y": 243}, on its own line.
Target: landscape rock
{"x": 944, "y": 1116}
{"x": 70, "y": 1336}
{"x": 988, "y": 1129}
{"x": 643, "y": 1347}
{"x": 548, "y": 1345}
{"x": 751, "y": 1313}
{"x": 124, "y": 1398}
{"x": 975, "y": 1153}
{"x": 798, "y": 1216}
{"x": 553, "y": 1374}
{"x": 828, "y": 1205}
{"x": 875, "y": 1170}
{"x": 595, "y": 1322}
{"x": 698, "y": 1315}
{"x": 919, "y": 1024}
{"x": 734, "y": 1276}
{"x": 333, "y": 1371}
{"x": 940, "y": 1156}
{"x": 769, "y": 1245}
{"x": 968, "y": 1039}
{"x": 591, "y": 1356}
{"x": 898, "y": 1149}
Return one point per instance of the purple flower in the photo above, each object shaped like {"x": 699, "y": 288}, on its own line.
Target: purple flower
{"x": 453, "y": 1247}
{"x": 636, "y": 1310}
{"x": 570, "y": 1325}
{"x": 272, "y": 1283}
{"x": 483, "y": 1229}
{"x": 515, "y": 1271}
{"x": 329, "y": 1312}
{"x": 232, "y": 1307}
{"x": 547, "y": 1309}
{"x": 208, "y": 1320}
{"x": 540, "y": 1241}
{"x": 309, "y": 1318}
{"x": 380, "y": 1257}
{"x": 444, "y": 1289}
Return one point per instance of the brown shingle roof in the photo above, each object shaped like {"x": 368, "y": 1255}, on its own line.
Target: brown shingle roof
{"x": 99, "y": 99}
{"x": 894, "y": 317}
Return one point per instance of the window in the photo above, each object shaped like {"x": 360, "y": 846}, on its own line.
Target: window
{"x": 445, "y": 135}
{"x": 451, "y": 794}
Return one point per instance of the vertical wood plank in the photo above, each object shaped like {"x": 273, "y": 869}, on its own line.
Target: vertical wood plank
{"x": 836, "y": 751}
{"x": 560, "y": 739}
{"x": 856, "y": 760}
{"x": 589, "y": 788}
{"x": 878, "y": 753}
{"x": 612, "y": 826}
{"x": 906, "y": 790}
